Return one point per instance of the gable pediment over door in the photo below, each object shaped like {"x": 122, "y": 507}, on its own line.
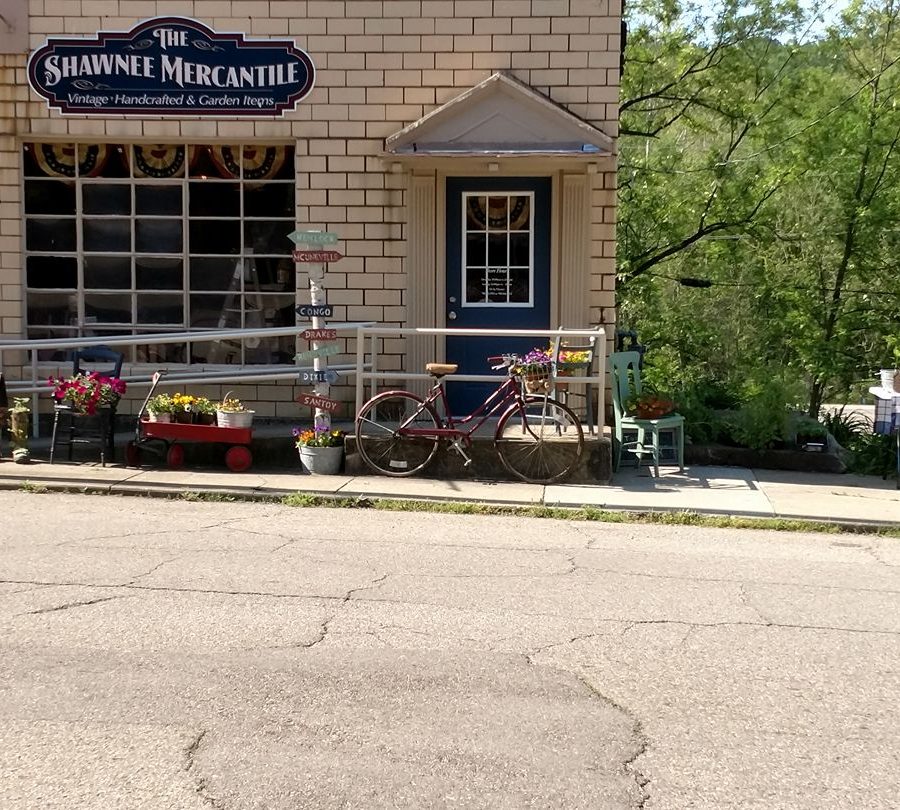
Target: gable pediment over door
{"x": 500, "y": 116}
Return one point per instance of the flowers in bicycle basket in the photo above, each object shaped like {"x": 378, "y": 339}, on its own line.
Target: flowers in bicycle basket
{"x": 85, "y": 393}
{"x": 534, "y": 369}
{"x": 537, "y": 361}
{"x": 318, "y": 437}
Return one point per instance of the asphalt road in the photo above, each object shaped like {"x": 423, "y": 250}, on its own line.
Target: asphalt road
{"x": 166, "y": 654}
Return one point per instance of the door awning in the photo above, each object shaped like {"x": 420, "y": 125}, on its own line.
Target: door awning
{"x": 501, "y": 117}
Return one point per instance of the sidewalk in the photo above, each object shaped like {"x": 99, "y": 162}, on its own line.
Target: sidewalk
{"x": 706, "y": 490}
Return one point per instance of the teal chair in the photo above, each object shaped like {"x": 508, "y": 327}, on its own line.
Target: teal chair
{"x": 625, "y": 371}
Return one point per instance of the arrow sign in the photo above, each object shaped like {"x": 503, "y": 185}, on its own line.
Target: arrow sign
{"x": 309, "y": 311}
{"x": 313, "y": 237}
{"x": 329, "y": 377}
{"x": 316, "y": 256}
{"x": 314, "y": 401}
{"x": 319, "y": 334}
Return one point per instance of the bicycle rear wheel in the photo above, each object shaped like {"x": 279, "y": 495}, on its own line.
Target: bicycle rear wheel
{"x": 540, "y": 441}
{"x": 380, "y": 444}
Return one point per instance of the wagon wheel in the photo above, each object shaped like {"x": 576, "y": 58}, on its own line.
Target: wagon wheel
{"x": 238, "y": 458}
{"x": 132, "y": 455}
{"x": 175, "y": 457}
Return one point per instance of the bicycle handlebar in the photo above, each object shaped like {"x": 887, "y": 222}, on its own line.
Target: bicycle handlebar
{"x": 506, "y": 361}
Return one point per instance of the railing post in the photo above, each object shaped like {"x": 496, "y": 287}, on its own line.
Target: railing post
{"x": 35, "y": 421}
{"x": 360, "y": 364}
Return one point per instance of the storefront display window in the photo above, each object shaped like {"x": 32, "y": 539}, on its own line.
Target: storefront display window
{"x": 136, "y": 239}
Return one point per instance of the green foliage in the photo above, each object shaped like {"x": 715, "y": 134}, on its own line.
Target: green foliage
{"x": 767, "y": 162}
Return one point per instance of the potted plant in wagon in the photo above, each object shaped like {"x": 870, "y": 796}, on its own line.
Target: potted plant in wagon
{"x": 204, "y": 411}
{"x": 321, "y": 449}
{"x": 183, "y": 408}
{"x": 231, "y": 413}
{"x": 160, "y": 408}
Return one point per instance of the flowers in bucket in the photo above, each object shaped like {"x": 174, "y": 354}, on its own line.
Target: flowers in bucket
{"x": 160, "y": 405}
{"x": 87, "y": 392}
{"x": 231, "y": 412}
{"x": 318, "y": 437}
{"x": 649, "y": 406}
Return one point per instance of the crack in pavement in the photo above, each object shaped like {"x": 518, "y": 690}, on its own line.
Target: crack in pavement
{"x": 70, "y": 605}
{"x": 344, "y": 599}
{"x": 200, "y": 785}
{"x": 744, "y": 596}
{"x": 155, "y": 568}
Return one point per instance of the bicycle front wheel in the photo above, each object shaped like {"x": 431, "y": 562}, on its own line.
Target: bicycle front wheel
{"x": 380, "y": 438}
{"x": 539, "y": 441}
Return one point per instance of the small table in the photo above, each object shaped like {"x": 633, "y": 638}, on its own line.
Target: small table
{"x": 887, "y": 417}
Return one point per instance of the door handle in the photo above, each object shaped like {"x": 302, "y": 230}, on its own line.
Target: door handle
{"x": 451, "y": 316}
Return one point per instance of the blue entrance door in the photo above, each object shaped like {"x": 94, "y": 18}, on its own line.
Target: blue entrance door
{"x": 498, "y": 272}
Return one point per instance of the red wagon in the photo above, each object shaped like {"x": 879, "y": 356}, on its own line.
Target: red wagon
{"x": 165, "y": 439}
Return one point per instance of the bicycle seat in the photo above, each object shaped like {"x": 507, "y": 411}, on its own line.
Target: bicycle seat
{"x": 441, "y": 369}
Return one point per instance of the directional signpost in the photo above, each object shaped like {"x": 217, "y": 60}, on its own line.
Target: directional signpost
{"x": 311, "y": 253}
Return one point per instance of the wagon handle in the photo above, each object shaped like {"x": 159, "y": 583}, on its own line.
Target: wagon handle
{"x": 154, "y": 381}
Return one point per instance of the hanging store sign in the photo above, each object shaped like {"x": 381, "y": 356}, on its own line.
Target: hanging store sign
{"x": 171, "y": 66}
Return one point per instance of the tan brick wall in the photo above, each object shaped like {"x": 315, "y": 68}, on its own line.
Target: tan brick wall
{"x": 381, "y": 64}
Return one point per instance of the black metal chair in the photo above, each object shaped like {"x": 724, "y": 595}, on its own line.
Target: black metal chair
{"x": 97, "y": 429}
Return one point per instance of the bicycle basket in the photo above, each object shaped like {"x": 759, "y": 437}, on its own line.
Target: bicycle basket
{"x": 536, "y": 379}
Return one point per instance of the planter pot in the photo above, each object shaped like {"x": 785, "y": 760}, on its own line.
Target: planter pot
{"x": 890, "y": 379}
{"x": 205, "y": 419}
{"x": 322, "y": 460}
{"x": 159, "y": 417}
{"x": 234, "y": 419}
{"x": 183, "y": 417}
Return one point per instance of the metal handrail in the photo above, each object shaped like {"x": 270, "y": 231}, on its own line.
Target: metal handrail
{"x": 373, "y": 331}
{"x": 211, "y": 376}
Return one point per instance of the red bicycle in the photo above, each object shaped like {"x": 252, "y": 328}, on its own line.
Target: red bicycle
{"x": 538, "y": 439}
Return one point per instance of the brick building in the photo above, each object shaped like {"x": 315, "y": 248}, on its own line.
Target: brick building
{"x": 462, "y": 150}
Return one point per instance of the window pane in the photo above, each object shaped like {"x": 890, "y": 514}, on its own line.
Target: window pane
{"x": 475, "y": 286}
{"x": 157, "y": 200}
{"x": 161, "y": 353}
{"x": 215, "y": 311}
{"x": 51, "y": 355}
{"x": 268, "y": 236}
{"x": 475, "y": 216}
{"x": 162, "y": 309}
{"x": 107, "y": 235}
{"x": 498, "y": 213}
{"x": 158, "y": 160}
{"x": 158, "y": 236}
{"x": 158, "y": 274}
{"x": 216, "y": 274}
{"x": 106, "y": 199}
{"x": 520, "y": 213}
{"x": 497, "y": 285}
{"x": 475, "y": 250}
{"x": 52, "y": 271}
{"x": 107, "y": 308}
{"x": 269, "y": 200}
{"x": 49, "y": 197}
{"x": 51, "y": 309}
{"x": 519, "y": 249}
{"x": 107, "y": 272}
{"x": 215, "y": 236}
{"x": 272, "y": 275}
{"x": 115, "y": 164}
{"x": 211, "y": 199}
{"x": 519, "y": 292}
{"x": 50, "y": 235}
{"x": 497, "y": 249}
